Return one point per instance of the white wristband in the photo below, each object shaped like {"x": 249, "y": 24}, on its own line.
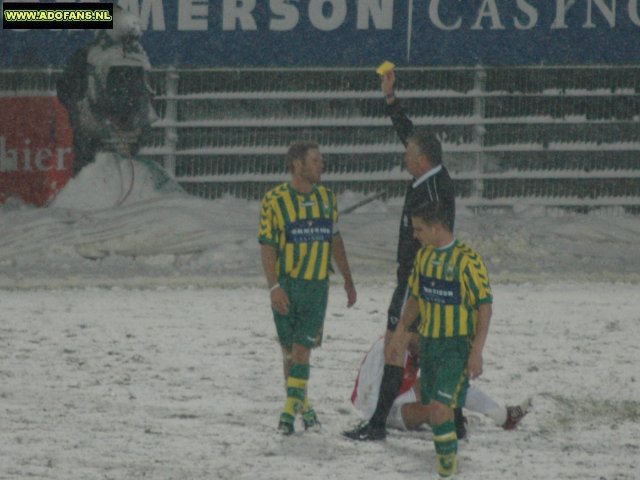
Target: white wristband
{"x": 275, "y": 285}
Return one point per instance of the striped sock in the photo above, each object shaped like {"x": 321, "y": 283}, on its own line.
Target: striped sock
{"x": 446, "y": 444}
{"x": 296, "y": 391}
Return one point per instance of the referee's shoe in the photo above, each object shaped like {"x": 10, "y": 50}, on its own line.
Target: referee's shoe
{"x": 366, "y": 432}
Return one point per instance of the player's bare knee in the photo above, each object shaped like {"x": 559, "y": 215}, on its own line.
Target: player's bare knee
{"x": 439, "y": 413}
{"x": 300, "y": 354}
{"x": 397, "y": 360}
{"x": 387, "y": 338}
{"x": 409, "y": 418}
{"x": 415, "y": 415}
{"x": 414, "y": 344}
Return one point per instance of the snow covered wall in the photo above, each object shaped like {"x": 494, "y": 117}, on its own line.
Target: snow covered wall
{"x": 89, "y": 236}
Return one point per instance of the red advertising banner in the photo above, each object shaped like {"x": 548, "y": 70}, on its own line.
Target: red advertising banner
{"x": 36, "y": 151}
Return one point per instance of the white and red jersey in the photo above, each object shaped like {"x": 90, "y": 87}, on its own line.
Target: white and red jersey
{"x": 367, "y": 388}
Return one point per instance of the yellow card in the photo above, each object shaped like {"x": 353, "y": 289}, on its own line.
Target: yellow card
{"x": 385, "y": 67}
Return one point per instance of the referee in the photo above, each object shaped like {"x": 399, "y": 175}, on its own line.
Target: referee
{"x": 431, "y": 183}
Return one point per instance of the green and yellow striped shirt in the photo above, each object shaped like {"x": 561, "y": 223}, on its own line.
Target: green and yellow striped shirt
{"x": 301, "y": 227}
{"x": 450, "y": 284}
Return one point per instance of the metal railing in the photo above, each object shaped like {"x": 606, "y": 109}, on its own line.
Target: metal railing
{"x": 561, "y": 137}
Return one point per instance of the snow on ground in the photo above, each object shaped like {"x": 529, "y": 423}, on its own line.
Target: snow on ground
{"x": 185, "y": 383}
{"x": 136, "y": 342}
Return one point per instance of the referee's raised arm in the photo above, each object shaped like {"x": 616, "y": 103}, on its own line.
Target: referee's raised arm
{"x": 401, "y": 122}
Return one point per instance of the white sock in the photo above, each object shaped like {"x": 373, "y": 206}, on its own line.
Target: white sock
{"x": 480, "y": 402}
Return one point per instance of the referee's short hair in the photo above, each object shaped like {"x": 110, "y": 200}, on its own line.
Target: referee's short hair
{"x": 431, "y": 213}
{"x": 429, "y": 145}
{"x": 298, "y": 151}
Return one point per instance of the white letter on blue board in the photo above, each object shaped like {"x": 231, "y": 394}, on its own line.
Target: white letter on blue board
{"x": 434, "y": 16}
{"x": 192, "y": 15}
{"x": 380, "y": 11}
{"x": 238, "y": 11}
{"x": 289, "y": 16}
{"x": 317, "y": 18}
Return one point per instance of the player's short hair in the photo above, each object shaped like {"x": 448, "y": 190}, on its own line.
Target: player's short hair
{"x": 298, "y": 151}
{"x": 429, "y": 145}
{"x": 431, "y": 213}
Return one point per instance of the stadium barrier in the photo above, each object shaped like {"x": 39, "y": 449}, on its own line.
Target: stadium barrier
{"x": 555, "y": 137}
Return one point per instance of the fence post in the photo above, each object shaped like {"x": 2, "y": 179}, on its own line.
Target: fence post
{"x": 171, "y": 117}
{"x": 479, "y": 88}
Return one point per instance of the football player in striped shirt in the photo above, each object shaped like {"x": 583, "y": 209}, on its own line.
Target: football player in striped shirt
{"x": 298, "y": 237}
{"x": 450, "y": 290}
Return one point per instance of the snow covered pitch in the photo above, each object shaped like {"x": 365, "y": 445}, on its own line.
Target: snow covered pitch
{"x": 137, "y": 342}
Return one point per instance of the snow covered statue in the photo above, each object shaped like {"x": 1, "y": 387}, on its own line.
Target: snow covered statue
{"x": 105, "y": 88}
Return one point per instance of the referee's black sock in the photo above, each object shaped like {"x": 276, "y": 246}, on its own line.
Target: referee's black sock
{"x": 389, "y": 388}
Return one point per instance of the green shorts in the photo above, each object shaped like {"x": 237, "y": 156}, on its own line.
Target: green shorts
{"x": 308, "y": 304}
{"x": 444, "y": 375}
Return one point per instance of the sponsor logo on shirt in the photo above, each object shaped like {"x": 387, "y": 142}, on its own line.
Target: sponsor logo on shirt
{"x": 443, "y": 292}
{"x": 313, "y": 230}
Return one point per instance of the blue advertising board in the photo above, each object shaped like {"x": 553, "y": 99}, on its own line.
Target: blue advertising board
{"x": 352, "y": 33}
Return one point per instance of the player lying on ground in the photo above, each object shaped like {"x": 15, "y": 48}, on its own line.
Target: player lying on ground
{"x": 407, "y": 412}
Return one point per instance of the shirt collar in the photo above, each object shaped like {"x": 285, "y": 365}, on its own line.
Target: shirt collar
{"x": 446, "y": 247}
{"x": 426, "y": 176}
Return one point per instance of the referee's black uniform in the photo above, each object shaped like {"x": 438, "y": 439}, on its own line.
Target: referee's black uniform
{"x": 435, "y": 187}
